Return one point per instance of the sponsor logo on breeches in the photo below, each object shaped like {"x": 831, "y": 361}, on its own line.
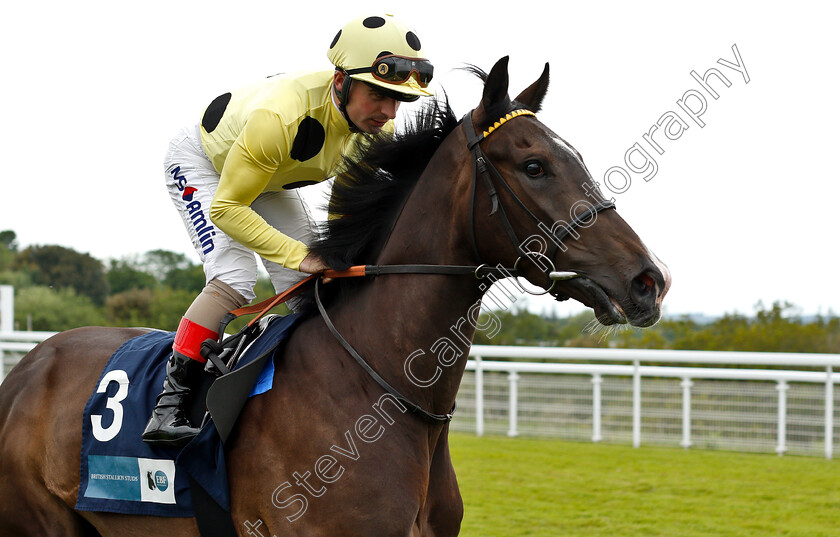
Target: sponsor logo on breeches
{"x": 200, "y": 221}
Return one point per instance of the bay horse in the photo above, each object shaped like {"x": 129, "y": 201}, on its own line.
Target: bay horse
{"x": 327, "y": 451}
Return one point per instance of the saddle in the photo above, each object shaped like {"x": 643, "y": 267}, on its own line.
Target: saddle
{"x": 225, "y": 394}
{"x": 233, "y": 379}
{"x": 122, "y": 474}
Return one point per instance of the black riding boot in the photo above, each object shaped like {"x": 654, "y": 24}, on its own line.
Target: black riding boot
{"x": 169, "y": 425}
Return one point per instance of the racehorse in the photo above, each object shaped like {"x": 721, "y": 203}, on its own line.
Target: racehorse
{"x": 328, "y": 451}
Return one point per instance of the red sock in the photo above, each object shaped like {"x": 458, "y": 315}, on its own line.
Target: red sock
{"x": 189, "y": 337}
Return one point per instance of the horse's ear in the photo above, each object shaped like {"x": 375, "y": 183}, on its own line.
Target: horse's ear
{"x": 533, "y": 96}
{"x": 496, "y": 86}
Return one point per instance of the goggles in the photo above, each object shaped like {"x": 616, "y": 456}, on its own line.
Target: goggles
{"x": 397, "y": 70}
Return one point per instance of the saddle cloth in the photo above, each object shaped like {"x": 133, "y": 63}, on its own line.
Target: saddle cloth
{"x": 122, "y": 474}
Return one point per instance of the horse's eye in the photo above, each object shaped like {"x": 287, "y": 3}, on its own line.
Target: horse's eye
{"x": 533, "y": 168}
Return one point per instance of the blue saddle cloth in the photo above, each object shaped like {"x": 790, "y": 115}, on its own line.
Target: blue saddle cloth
{"x": 122, "y": 474}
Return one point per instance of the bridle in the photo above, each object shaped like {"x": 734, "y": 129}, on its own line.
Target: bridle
{"x": 482, "y": 166}
{"x": 490, "y": 175}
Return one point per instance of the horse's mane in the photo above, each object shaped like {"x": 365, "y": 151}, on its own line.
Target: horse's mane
{"x": 377, "y": 178}
{"x": 369, "y": 193}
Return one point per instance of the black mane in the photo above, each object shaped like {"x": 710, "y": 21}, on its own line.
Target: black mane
{"x": 369, "y": 194}
{"x": 378, "y": 177}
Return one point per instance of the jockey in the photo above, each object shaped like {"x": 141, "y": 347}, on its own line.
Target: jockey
{"x": 233, "y": 179}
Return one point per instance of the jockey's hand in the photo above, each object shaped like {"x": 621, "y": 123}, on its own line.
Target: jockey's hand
{"x": 312, "y": 264}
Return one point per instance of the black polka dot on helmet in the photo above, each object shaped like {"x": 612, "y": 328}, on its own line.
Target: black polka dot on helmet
{"x": 363, "y": 44}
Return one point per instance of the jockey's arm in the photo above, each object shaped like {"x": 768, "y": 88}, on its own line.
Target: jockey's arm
{"x": 248, "y": 168}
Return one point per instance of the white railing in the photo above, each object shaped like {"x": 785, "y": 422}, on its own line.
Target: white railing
{"x": 14, "y": 344}
{"x": 636, "y": 371}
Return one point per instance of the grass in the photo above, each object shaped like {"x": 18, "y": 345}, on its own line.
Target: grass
{"x": 514, "y": 487}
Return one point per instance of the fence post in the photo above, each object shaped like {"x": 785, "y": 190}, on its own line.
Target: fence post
{"x": 596, "y": 407}
{"x": 829, "y": 414}
{"x": 7, "y": 308}
{"x": 513, "y": 378}
{"x": 7, "y": 320}
{"x": 479, "y": 397}
{"x": 686, "y": 408}
{"x": 637, "y": 405}
{"x": 782, "y": 387}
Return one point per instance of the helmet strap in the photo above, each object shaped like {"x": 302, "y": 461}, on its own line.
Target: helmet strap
{"x": 343, "y": 98}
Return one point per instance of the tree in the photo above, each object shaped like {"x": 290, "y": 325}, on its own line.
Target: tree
{"x": 778, "y": 328}
{"x": 8, "y": 248}
{"x": 521, "y": 327}
{"x": 160, "y": 262}
{"x": 61, "y": 268}
{"x": 190, "y": 278}
{"x": 124, "y": 275}
{"x": 8, "y": 239}
{"x": 160, "y": 308}
{"x": 15, "y": 278}
{"x": 42, "y": 308}
{"x": 129, "y": 308}
{"x": 167, "y": 306}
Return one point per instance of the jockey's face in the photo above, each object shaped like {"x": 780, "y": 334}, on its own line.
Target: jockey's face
{"x": 366, "y": 108}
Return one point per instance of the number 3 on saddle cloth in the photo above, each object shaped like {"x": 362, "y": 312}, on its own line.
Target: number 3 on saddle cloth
{"x": 122, "y": 474}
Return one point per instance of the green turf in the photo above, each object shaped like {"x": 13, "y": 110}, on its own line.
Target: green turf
{"x": 515, "y": 487}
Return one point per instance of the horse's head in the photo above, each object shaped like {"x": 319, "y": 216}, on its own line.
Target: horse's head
{"x": 548, "y": 212}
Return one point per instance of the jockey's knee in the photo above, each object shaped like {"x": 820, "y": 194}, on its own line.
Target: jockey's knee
{"x": 215, "y": 300}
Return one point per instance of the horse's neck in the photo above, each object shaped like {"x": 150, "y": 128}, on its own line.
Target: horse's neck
{"x": 425, "y": 319}
{"x": 427, "y": 329}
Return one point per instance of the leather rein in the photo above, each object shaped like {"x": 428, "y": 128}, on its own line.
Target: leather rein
{"x": 481, "y": 167}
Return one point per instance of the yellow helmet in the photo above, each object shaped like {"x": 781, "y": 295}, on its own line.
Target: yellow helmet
{"x": 382, "y": 51}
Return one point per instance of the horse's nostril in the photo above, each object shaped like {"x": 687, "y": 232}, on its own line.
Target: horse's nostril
{"x": 644, "y": 284}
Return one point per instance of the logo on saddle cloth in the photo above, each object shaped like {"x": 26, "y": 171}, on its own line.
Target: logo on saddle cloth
{"x": 160, "y": 481}
{"x": 130, "y": 479}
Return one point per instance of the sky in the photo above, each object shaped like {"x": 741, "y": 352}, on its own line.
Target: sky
{"x": 742, "y": 209}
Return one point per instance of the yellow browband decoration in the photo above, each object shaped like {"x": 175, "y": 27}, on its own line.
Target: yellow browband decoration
{"x": 508, "y": 117}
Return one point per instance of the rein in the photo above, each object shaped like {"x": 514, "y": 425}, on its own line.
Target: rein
{"x": 490, "y": 175}
{"x": 361, "y": 270}
{"x": 262, "y": 308}
{"x": 428, "y": 416}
